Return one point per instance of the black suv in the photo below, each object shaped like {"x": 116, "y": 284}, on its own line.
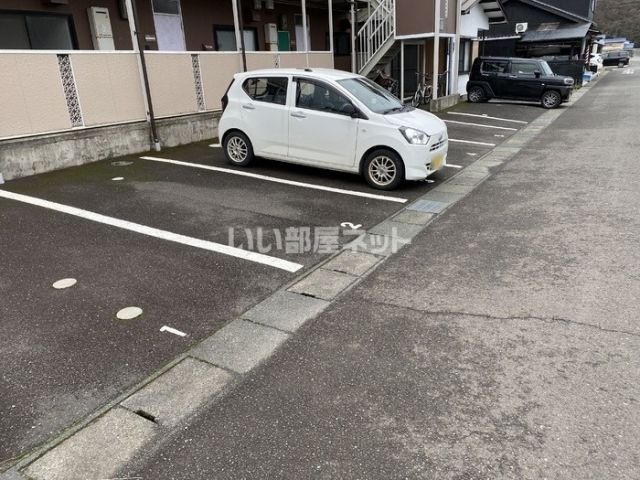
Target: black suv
{"x": 517, "y": 79}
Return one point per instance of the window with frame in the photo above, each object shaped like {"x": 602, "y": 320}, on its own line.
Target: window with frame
{"x": 464, "y": 64}
{"x": 225, "y": 39}
{"x": 494, "y": 66}
{"x": 525, "y": 69}
{"x": 267, "y": 89}
{"x": 315, "y": 96}
{"x": 36, "y": 31}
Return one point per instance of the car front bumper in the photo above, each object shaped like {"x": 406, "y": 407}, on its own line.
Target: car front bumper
{"x": 420, "y": 161}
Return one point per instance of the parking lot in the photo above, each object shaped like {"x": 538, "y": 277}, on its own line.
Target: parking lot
{"x": 169, "y": 232}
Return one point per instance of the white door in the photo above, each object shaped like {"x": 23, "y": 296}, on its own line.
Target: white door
{"x": 319, "y": 133}
{"x": 167, "y": 18}
{"x": 264, "y": 114}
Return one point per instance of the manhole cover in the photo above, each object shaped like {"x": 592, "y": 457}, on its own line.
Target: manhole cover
{"x": 121, "y": 163}
{"x": 64, "y": 283}
{"x": 129, "y": 313}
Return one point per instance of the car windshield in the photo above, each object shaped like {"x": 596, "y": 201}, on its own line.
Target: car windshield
{"x": 376, "y": 98}
{"x": 546, "y": 69}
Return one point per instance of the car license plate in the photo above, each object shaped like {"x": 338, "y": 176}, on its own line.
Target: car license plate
{"x": 436, "y": 163}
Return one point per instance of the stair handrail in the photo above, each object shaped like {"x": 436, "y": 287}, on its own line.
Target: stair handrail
{"x": 375, "y": 32}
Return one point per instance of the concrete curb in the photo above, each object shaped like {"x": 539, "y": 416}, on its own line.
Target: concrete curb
{"x": 158, "y": 405}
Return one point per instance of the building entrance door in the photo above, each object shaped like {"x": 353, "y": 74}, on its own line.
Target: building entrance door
{"x": 167, "y": 18}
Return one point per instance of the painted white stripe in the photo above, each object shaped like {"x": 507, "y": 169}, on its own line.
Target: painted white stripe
{"x": 481, "y": 125}
{"x": 451, "y": 165}
{"x": 279, "y": 180}
{"x": 215, "y": 145}
{"x": 472, "y": 143}
{"x": 488, "y": 117}
{"x": 155, "y": 232}
{"x": 173, "y": 330}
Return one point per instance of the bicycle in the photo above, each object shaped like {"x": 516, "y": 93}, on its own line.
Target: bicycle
{"x": 424, "y": 92}
{"x": 387, "y": 82}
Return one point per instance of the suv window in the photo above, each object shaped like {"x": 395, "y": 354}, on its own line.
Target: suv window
{"x": 315, "y": 96}
{"x": 525, "y": 69}
{"x": 267, "y": 89}
{"x": 494, "y": 66}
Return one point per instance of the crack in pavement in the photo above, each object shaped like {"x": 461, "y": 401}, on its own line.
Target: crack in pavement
{"x": 494, "y": 317}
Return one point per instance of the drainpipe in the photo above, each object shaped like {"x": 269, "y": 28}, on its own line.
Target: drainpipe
{"x": 136, "y": 41}
{"x": 330, "y": 6}
{"x": 239, "y": 26}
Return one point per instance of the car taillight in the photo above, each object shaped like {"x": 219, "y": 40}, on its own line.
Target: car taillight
{"x": 225, "y": 98}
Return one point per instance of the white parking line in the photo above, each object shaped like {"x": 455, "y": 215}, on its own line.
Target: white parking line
{"x": 173, "y": 330}
{"x": 451, "y": 165}
{"x": 484, "y": 144}
{"x": 481, "y": 125}
{"x": 155, "y": 232}
{"x": 488, "y": 117}
{"x": 279, "y": 180}
{"x": 215, "y": 145}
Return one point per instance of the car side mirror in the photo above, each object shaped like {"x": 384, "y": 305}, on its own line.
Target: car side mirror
{"x": 348, "y": 109}
{"x": 537, "y": 73}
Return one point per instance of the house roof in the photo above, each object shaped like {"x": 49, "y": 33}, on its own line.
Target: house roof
{"x": 555, "y": 10}
{"x": 493, "y": 10}
{"x": 548, "y": 31}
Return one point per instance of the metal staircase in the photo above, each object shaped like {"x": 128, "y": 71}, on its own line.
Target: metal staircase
{"x": 375, "y": 40}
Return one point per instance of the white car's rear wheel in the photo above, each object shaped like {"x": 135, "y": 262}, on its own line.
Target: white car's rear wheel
{"x": 238, "y": 149}
{"x": 383, "y": 169}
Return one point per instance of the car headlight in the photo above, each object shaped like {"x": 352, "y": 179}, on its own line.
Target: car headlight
{"x": 568, "y": 81}
{"x": 415, "y": 137}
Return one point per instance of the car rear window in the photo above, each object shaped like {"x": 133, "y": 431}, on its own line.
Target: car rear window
{"x": 267, "y": 89}
{"x": 494, "y": 66}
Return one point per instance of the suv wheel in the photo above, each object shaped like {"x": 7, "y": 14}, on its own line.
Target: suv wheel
{"x": 238, "y": 149}
{"x": 383, "y": 169}
{"x": 550, "y": 99}
{"x": 476, "y": 95}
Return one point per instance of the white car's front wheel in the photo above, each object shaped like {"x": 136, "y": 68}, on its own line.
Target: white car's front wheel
{"x": 383, "y": 169}
{"x": 238, "y": 149}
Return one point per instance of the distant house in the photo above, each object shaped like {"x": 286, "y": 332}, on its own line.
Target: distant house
{"x": 542, "y": 28}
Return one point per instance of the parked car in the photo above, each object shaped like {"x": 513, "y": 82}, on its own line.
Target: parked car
{"x": 616, "y": 57}
{"x": 595, "y": 62}
{"x": 517, "y": 79}
{"x": 330, "y": 119}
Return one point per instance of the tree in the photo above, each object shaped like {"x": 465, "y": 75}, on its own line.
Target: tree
{"x": 619, "y": 18}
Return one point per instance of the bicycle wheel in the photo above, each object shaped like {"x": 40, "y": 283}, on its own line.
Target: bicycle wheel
{"x": 417, "y": 99}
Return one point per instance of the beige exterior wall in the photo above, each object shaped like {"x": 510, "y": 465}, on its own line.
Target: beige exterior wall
{"x": 217, "y": 70}
{"x": 171, "y": 82}
{"x": 109, "y": 87}
{"x": 31, "y": 98}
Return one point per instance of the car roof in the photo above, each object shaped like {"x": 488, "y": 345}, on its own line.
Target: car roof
{"x": 325, "y": 73}
{"x": 517, "y": 59}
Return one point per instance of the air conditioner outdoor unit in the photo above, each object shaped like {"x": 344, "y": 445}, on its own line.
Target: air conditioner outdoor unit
{"x": 521, "y": 27}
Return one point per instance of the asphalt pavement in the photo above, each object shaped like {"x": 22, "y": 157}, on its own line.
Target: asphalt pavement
{"x": 502, "y": 343}
{"x": 147, "y": 233}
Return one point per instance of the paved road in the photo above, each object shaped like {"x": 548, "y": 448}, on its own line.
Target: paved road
{"x": 64, "y": 354}
{"x": 503, "y": 343}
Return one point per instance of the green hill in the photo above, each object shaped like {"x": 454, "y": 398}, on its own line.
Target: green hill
{"x": 619, "y": 18}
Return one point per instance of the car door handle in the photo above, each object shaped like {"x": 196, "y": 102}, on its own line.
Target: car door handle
{"x": 298, "y": 115}
{"x": 248, "y": 107}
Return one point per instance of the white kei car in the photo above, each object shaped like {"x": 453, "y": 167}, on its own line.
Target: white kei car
{"x": 330, "y": 119}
